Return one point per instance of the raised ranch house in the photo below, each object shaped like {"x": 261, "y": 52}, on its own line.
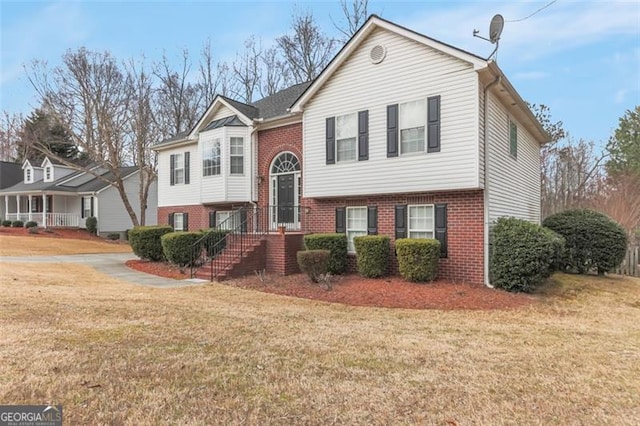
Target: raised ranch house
{"x": 55, "y": 195}
{"x": 400, "y": 135}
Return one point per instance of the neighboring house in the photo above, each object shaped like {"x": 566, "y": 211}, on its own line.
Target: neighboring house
{"x": 55, "y": 195}
{"x": 10, "y": 174}
{"x": 400, "y": 135}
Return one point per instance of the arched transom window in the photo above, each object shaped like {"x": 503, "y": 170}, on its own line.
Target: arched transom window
{"x": 285, "y": 163}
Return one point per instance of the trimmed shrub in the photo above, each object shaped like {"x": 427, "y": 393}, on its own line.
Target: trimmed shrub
{"x": 113, "y": 236}
{"x": 6, "y": 223}
{"x": 145, "y": 241}
{"x": 372, "y": 255}
{"x": 418, "y": 258}
{"x": 314, "y": 263}
{"x": 592, "y": 240}
{"x": 17, "y": 224}
{"x": 31, "y": 224}
{"x": 215, "y": 241}
{"x": 92, "y": 225}
{"x": 337, "y": 246}
{"x": 523, "y": 254}
{"x": 557, "y": 245}
{"x": 177, "y": 246}
{"x": 33, "y": 230}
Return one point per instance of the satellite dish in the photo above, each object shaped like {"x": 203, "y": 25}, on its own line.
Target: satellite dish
{"x": 495, "y": 28}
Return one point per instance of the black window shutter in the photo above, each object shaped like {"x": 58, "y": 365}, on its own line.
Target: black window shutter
{"x": 91, "y": 198}
{"x": 363, "y": 135}
{"x": 170, "y": 220}
{"x": 392, "y": 130}
{"x": 186, "y": 167}
{"x": 341, "y": 216}
{"x": 441, "y": 228}
{"x": 185, "y": 221}
{"x": 331, "y": 140}
{"x": 401, "y": 221}
{"x": 172, "y": 168}
{"x": 212, "y": 219}
{"x": 433, "y": 124}
{"x": 372, "y": 220}
{"x": 243, "y": 221}
{"x": 82, "y": 207}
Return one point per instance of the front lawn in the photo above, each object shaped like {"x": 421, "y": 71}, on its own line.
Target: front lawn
{"x": 115, "y": 353}
{"x": 23, "y": 244}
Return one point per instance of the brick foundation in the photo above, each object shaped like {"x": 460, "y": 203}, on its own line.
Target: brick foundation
{"x": 465, "y": 228}
{"x": 282, "y": 253}
{"x": 198, "y": 214}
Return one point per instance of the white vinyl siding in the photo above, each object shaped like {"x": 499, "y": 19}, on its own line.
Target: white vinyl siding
{"x": 356, "y": 225}
{"x": 412, "y": 124}
{"x": 410, "y": 71}
{"x": 111, "y": 213}
{"x": 346, "y": 137}
{"x": 514, "y": 186}
{"x": 421, "y": 221}
{"x": 176, "y": 195}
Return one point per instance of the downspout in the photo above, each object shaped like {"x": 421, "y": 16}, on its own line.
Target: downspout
{"x": 485, "y": 133}
{"x": 254, "y": 181}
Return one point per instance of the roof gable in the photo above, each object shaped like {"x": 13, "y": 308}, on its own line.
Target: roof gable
{"x": 245, "y": 113}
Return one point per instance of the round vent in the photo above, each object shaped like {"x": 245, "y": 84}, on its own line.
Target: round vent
{"x": 377, "y": 54}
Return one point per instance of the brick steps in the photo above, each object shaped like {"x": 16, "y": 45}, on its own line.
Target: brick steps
{"x": 252, "y": 259}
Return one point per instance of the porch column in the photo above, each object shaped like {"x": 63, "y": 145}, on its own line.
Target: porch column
{"x": 17, "y": 207}
{"x": 30, "y": 207}
{"x": 6, "y": 206}
{"x": 44, "y": 210}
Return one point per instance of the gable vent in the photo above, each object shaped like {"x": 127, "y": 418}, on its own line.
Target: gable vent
{"x": 377, "y": 54}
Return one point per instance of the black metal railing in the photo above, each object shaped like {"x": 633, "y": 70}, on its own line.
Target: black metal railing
{"x": 219, "y": 247}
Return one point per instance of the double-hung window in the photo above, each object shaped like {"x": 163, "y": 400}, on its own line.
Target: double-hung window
{"x": 27, "y": 175}
{"x": 236, "y": 155}
{"x": 47, "y": 173}
{"x": 211, "y": 158}
{"x": 412, "y": 122}
{"x": 86, "y": 206}
{"x": 178, "y": 221}
{"x": 178, "y": 170}
{"x": 356, "y": 225}
{"x": 346, "y": 137}
{"x": 421, "y": 221}
{"x": 227, "y": 220}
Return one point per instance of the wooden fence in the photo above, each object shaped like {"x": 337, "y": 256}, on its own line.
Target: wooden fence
{"x": 631, "y": 264}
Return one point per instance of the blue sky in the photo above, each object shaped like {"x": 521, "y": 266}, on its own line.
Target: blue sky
{"x": 581, "y": 58}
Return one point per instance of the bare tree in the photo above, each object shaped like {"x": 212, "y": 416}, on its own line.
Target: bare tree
{"x": 208, "y": 81}
{"x": 307, "y": 51}
{"x": 354, "y": 14}
{"x": 90, "y": 95}
{"x": 275, "y": 74}
{"x": 246, "y": 70}
{"x": 11, "y": 125}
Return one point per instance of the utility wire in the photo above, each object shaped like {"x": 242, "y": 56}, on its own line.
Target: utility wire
{"x": 539, "y": 10}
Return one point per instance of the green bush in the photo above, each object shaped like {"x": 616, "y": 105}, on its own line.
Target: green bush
{"x": 92, "y": 225}
{"x": 215, "y": 241}
{"x": 557, "y": 246}
{"x": 6, "y": 223}
{"x": 592, "y": 240}
{"x": 372, "y": 255}
{"x": 31, "y": 224}
{"x": 145, "y": 241}
{"x": 314, "y": 263}
{"x": 418, "y": 258}
{"x": 177, "y": 246}
{"x": 17, "y": 224}
{"x": 337, "y": 246}
{"x": 523, "y": 255}
{"x": 113, "y": 236}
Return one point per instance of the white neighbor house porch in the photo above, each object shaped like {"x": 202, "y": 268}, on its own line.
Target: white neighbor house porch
{"x": 47, "y": 210}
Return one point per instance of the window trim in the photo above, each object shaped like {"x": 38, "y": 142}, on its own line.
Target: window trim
{"x": 433, "y": 220}
{"x": 347, "y": 229}
{"x": 232, "y": 155}
{"x": 354, "y": 137}
{"x": 175, "y": 221}
{"x": 424, "y": 126}
{"x": 208, "y": 154}
{"x": 513, "y": 127}
{"x": 86, "y": 208}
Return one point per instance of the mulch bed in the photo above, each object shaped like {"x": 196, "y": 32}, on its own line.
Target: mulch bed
{"x": 70, "y": 233}
{"x": 352, "y": 289}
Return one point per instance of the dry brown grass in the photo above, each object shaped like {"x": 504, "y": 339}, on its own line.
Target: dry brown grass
{"x": 114, "y": 353}
{"x": 31, "y": 246}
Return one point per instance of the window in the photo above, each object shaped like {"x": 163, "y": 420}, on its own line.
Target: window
{"x": 178, "y": 169}
{"x": 413, "y": 116}
{"x": 356, "y": 225}
{"x": 211, "y": 158}
{"x": 27, "y": 175}
{"x": 228, "y": 220}
{"x": 178, "y": 221}
{"x": 346, "y": 137}
{"x": 47, "y": 173}
{"x": 236, "y": 156}
{"x": 421, "y": 221}
{"x": 513, "y": 139}
{"x": 86, "y": 206}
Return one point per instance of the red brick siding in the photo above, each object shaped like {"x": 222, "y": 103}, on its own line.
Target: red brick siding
{"x": 282, "y": 253}
{"x": 465, "y": 228}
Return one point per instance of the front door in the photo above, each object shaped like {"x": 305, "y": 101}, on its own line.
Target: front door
{"x": 286, "y": 198}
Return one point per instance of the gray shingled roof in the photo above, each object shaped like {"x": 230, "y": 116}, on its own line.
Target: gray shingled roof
{"x": 227, "y": 121}
{"x": 10, "y": 174}
{"x": 278, "y": 103}
{"x": 248, "y": 111}
{"x": 94, "y": 184}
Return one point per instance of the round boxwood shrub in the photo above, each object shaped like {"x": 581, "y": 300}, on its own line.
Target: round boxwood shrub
{"x": 6, "y": 223}
{"x": 418, "y": 258}
{"x": 337, "y": 246}
{"x": 92, "y": 224}
{"x": 592, "y": 240}
{"x": 372, "y": 255}
{"x": 314, "y": 263}
{"x": 177, "y": 246}
{"x": 523, "y": 254}
{"x": 31, "y": 224}
{"x": 17, "y": 224}
{"x": 145, "y": 241}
